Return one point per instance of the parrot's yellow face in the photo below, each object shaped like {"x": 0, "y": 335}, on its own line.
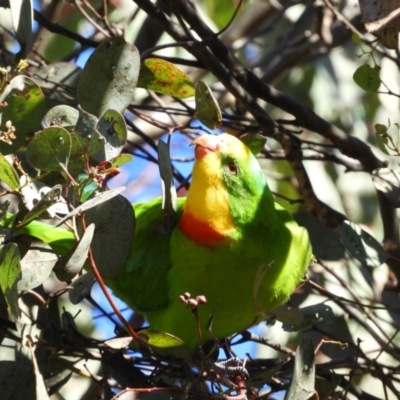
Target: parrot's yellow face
{"x": 222, "y": 165}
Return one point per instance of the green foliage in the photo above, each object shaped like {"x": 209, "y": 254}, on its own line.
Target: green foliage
{"x": 367, "y": 78}
{"x": 164, "y": 77}
{"x": 207, "y": 108}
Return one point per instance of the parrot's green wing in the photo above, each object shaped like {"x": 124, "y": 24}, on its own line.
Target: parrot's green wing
{"x": 142, "y": 284}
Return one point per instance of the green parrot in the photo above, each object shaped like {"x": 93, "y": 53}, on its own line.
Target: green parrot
{"x": 232, "y": 244}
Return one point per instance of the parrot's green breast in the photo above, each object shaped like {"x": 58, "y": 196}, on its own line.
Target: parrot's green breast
{"x": 232, "y": 244}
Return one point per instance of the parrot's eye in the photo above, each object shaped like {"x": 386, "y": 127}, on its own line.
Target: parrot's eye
{"x": 232, "y": 168}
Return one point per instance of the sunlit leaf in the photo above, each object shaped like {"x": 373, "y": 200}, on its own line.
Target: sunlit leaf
{"x": 8, "y": 174}
{"x": 25, "y": 109}
{"x": 165, "y": 344}
{"x": 36, "y": 265}
{"x": 207, "y": 108}
{"x": 10, "y": 274}
{"x": 22, "y": 16}
{"x": 164, "y": 77}
{"x": 81, "y": 287}
{"x": 388, "y": 182}
{"x": 112, "y": 240}
{"x": 367, "y": 78}
{"x": 63, "y": 116}
{"x": 303, "y": 380}
{"x": 169, "y": 203}
{"x": 50, "y": 149}
{"x": 112, "y": 127}
{"x": 51, "y": 197}
{"x": 70, "y": 264}
{"x": 254, "y": 142}
{"x": 95, "y": 201}
{"x": 311, "y": 315}
{"x": 109, "y": 78}
{"x": 362, "y": 245}
{"x": 121, "y": 159}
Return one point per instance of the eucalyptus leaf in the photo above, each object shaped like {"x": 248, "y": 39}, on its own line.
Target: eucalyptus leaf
{"x": 86, "y": 124}
{"x": 62, "y": 115}
{"x": 164, "y": 77}
{"x": 287, "y": 314}
{"x": 81, "y": 287}
{"x": 69, "y": 265}
{"x": 25, "y": 109}
{"x": 367, "y": 78}
{"x": 254, "y": 142}
{"x": 8, "y": 174}
{"x": 207, "y": 108}
{"x": 311, "y": 315}
{"x": 82, "y": 149}
{"x": 36, "y": 265}
{"x": 112, "y": 240}
{"x": 49, "y": 150}
{"x": 303, "y": 380}
{"x": 362, "y": 245}
{"x": 387, "y": 181}
{"x": 165, "y": 344}
{"x": 109, "y": 78}
{"x": 95, "y": 201}
{"x": 112, "y": 127}
{"x": 119, "y": 343}
{"x": 121, "y": 159}
{"x": 10, "y": 274}
{"x": 50, "y": 198}
{"x": 22, "y": 17}
{"x": 169, "y": 196}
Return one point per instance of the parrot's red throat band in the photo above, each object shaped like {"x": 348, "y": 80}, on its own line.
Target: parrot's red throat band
{"x": 199, "y": 231}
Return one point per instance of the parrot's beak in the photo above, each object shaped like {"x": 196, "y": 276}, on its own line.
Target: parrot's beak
{"x": 206, "y": 144}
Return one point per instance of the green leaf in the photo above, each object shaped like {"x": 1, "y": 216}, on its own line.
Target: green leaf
{"x": 25, "y": 109}
{"x": 388, "y": 182}
{"x": 64, "y": 116}
{"x": 121, "y": 159}
{"x": 311, "y": 315}
{"x": 89, "y": 188}
{"x": 36, "y": 265}
{"x": 51, "y": 197}
{"x": 207, "y": 108}
{"x": 112, "y": 127}
{"x": 164, "y": 77}
{"x": 49, "y": 150}
{"x": 165, "y": 344}
{"x": 8, "y": 174}
{"x": 254, "y": 142}
{"x": 287, "y": 315}
{"x": 112, "y": 240}
{"x": 81, "y": 287}
{"x": 10, "y": 273}
{"x": 367, "y": 78}
{"x": 69, "y": 265}
{"x": 109, "y": 78}
{"x": 98, "y": 200}
{"x": 362, "y": 245}
{"x": 303, "y": 381}
{"x": 382, "y": 137}
{"x": 169, "y": 196}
